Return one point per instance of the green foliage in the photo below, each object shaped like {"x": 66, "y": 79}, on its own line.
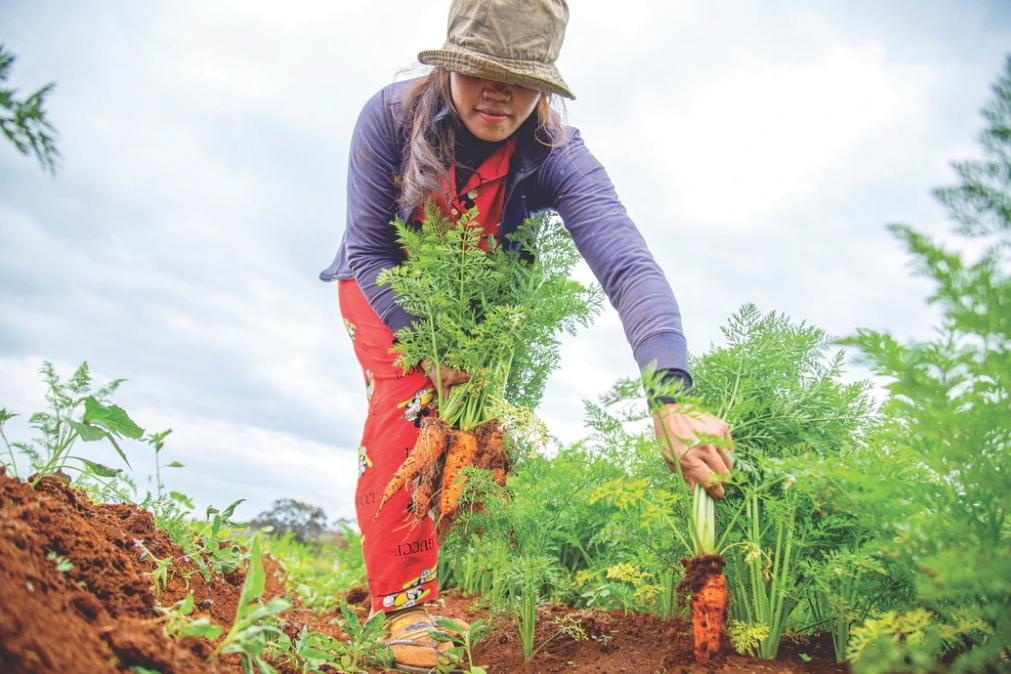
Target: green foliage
{"x": 178, "y": 623}
{"x": 747, "y": 638}
{"x": 159, "y": 577}
{"x": 364, "y": 641}
{"x": 61, "y": 563}
{"x": 789, "y": 412}
{"x": 485, "y": 309}
{"x": 66, "y": 422}
{"x": 846, "y": 584}
{"x": 255, "y": 623}
{"x": 312, "y": 652}
{"x": 894, "y": 643}
{"x": 526, "y": 580}
{"x": 947, "y": 422}
{"x": 319, "y": 573}
{"x": 23, "y": 121}
{"x": 316, "y": 652}
{"x": 460, "y": 658}
{"x": 211, "y": 545}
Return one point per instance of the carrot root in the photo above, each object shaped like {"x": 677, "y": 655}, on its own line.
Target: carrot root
{"x": 706, "y": 585}
{"x": 431, "y": 443}
{"x": 461, "y": 453}
{"x": 709, "y": 611}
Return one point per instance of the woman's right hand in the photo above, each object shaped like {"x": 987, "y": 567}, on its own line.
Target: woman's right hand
{"x": 447, "y": 375}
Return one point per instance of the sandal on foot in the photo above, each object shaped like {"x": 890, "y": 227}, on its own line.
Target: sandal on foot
{"x": 413, "y": 649}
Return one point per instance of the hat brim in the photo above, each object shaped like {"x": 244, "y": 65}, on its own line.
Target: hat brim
{"x": 530, "y": 74}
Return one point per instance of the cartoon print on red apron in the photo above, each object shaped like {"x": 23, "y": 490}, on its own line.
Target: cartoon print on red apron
{"x": 370, "y": 384}
{"x": 419, "y": 406}
{"x": 364, "y": 462}
{"x": 413, "y": 592}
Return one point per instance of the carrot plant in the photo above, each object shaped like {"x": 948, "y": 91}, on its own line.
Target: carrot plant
{"x": 842, "y": 596}
{"x": 492, "y": 311}
{"x": 525, "y": 583}
{"x": 947, "y": 423}
{"x": 786, "y": 406}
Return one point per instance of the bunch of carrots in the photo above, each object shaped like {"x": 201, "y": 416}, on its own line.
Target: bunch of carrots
{"x": 492, "y": 311}
{"x": 438, "y": 460}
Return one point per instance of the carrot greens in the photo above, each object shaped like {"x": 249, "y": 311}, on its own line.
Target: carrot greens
{"x": 491, "y": 310}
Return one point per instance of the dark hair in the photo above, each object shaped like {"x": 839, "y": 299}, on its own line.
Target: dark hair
{"x": 430, "y": 144}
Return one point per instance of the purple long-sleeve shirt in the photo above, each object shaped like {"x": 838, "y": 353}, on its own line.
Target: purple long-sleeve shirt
{"x": 567, "y": 179}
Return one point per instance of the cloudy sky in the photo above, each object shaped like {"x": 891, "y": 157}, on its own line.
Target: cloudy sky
{"x": 760, "y": 146}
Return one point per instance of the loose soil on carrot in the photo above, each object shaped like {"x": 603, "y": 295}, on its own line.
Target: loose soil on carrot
{"x": 99, "y": 616}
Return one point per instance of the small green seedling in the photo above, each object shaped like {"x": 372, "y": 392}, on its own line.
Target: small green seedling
{"x": 461, "y": 655}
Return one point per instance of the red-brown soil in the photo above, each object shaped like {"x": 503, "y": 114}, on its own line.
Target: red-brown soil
{"x": 99, "y": 616}
{"x": 634, "y": 643}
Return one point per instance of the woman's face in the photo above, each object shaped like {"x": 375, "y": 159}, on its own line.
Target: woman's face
{"x": 491, "y": 110}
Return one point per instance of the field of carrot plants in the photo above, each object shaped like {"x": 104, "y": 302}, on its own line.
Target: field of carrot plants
{"x": 855, "y": 534}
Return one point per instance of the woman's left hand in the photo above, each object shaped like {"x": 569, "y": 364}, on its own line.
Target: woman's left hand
{"x": 679, "y": 432}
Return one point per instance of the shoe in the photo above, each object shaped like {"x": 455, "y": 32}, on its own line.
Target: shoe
{"x": 464, "y": 625}
{"x": 413, "y": 649}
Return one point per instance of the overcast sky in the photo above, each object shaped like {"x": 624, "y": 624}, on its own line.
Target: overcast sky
{"x": 760, "y": 146}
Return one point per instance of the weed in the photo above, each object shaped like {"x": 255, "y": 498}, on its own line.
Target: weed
{"x": 364, "y": 644}
{"x": 62, "y": 563}
{"x": 255, "y": 623}
{"x": 178, "y": 624}
{"x": 461, "y": 655}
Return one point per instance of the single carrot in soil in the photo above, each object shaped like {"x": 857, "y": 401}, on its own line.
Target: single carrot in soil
{"x": 431, "y": 443}
{"x": 705, "y": 582}
{"x": 461, "y": 453}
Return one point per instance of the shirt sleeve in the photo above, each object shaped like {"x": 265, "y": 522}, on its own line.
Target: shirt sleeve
{"x": 370, "y": 239}
{"x": 615, "y": 251}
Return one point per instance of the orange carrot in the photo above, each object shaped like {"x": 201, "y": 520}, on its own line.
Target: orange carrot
{"x": 431, "y": 443}
{"x": 421, "y": 501}
{"x": 461, "y": 453}
{"x": 705, "y": 584}
{"x": 491, "y": 450}
{"x": 709, "y": 610}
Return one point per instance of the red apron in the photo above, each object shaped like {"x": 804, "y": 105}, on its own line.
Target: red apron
{"x": 401, "y": 557}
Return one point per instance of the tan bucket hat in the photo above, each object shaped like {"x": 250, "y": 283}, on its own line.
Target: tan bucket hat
{"x": 512, "y": 41}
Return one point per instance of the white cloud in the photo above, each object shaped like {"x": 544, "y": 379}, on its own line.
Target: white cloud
{"x": 749, "y": 142}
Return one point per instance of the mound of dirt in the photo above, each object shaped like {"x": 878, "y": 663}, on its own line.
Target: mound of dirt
{"x": 97, "y": 616}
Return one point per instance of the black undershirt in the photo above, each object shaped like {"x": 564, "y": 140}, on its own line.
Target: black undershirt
{"x": 471, "y": 151}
